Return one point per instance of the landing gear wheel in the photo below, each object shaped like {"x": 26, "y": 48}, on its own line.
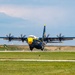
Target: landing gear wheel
{"x": 42, "y": 48}
{"x": 31, "y": 48}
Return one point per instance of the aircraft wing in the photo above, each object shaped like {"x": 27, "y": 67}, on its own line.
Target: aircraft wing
{"x": 50, "y": 39}
{"x": 47, "y": 39}
{"x": 14, "y": 38}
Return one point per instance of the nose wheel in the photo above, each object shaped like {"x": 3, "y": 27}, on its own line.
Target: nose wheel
{"x": 31, "y": 48}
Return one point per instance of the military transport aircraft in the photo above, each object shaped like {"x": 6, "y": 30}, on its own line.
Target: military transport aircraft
{"x": 40, "y": 42}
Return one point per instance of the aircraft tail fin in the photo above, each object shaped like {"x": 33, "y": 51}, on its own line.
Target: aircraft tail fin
{"x": 44, "y": 32}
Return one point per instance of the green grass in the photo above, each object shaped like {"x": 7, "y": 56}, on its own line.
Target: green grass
{"x": 37, "y": 68}
{"x": 38, "y": 55}
{"x": 5, "y": 47}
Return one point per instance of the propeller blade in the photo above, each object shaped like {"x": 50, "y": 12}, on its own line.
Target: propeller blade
{"x": 22, "y": 37}
{"x": 60, "y": 37}
{"x": 9, "y": 37}
{"x": 48, "y": 35}
{"x": 9, "y": 34}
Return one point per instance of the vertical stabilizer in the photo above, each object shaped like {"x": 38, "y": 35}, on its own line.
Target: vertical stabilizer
{"x": 44, "y": 32}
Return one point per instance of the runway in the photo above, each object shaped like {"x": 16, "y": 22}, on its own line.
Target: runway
{"x": 37, "y": 60}
{"x": 38, "y": 51}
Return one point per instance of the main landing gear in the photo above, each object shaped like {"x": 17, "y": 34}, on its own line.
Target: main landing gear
{"x": 37, "y": 47}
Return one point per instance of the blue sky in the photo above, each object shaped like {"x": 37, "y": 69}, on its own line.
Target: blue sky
{"x": 28, "y": 17}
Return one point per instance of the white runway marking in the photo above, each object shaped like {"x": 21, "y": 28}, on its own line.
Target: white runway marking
{"x": 38, "y": 60}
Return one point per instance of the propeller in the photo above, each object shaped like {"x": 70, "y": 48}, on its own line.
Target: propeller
{"x": 60, "y": 37}
{"x": 23, "y": 37}
{"x": 48, "y": 35}
{"x": 9, "y": 37}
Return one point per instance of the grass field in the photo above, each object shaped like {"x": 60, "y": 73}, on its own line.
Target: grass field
{"x": 36, "y": 67}
{"x": 38, "y": 55}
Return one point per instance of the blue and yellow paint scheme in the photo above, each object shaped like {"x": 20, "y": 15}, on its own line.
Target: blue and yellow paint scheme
{"x": 30, "y": 40}
{"x": 38, "y": 43}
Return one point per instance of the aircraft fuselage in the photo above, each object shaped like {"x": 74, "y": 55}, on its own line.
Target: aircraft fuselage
{"x": 37, "y": 44}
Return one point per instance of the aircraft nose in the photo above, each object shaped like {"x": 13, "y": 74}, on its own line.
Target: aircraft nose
{"x": 30, "y": 40}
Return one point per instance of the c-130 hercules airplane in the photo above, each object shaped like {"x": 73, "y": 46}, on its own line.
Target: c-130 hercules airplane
{"x": 38, "y": 43}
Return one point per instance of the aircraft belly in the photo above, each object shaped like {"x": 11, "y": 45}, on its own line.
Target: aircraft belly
{"x": 38, "y": 46}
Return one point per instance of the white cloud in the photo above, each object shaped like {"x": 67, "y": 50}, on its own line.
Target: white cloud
{"x": 46, "y": 14}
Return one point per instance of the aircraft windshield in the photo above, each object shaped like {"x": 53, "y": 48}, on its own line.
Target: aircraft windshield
{"x": 32, "y": 36}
